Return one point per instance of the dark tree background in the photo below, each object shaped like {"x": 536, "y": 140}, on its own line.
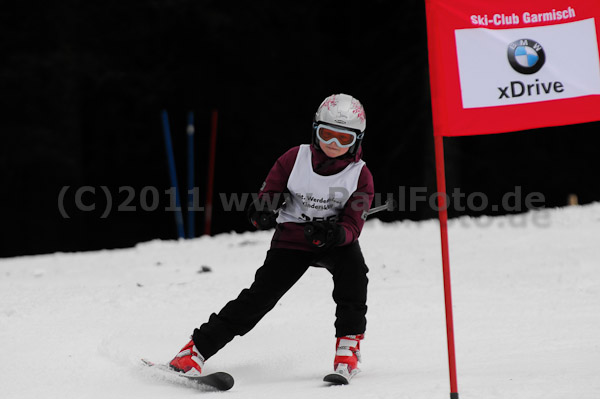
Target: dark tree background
{"x": 84, "y": 82}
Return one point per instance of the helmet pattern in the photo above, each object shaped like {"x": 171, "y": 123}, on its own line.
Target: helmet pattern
{"x": 344, "y": 111}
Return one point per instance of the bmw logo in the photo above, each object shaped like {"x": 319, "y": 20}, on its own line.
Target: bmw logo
{"x": 526, "y": 56}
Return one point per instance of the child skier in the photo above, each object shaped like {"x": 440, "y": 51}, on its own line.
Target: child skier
{"x": 327, "y": 186}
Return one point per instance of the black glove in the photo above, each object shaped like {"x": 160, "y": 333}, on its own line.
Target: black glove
{"x": 262, "y": 219}
{"x": 324, "y": 234}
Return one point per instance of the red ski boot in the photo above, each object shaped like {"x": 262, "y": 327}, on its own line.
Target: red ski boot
{"x": 347, "y": 356}
{"x": 188, "y": 361}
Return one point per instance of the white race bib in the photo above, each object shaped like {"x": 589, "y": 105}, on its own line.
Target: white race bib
{"x": 316, "y": 197}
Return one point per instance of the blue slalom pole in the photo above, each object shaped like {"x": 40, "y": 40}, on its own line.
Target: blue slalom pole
{"x": 173, "y": 174}
{"x": 190, "y": 208}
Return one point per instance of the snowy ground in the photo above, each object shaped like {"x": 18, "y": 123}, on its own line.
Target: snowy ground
{"x": 526, "y": 301}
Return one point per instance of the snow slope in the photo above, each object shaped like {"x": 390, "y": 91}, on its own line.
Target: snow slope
{"x": 526, "y": 299}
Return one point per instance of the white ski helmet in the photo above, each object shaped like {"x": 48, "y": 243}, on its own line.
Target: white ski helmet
{"x": 343, "y": 111}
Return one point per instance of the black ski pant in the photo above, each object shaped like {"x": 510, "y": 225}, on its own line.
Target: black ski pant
{"x": 281, "y": 270}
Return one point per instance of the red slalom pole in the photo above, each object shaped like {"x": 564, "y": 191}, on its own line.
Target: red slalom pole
{"x": 443, "y": 215}
{"x": 211, "y": 172}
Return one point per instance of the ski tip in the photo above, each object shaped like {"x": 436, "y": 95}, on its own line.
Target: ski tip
{"x": 220, "y": 380}
{"x": 336, "y": 379}
{"x": 223, "y": 381}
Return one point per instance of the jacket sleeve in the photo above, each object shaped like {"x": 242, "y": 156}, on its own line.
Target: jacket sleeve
{"x": 275, "y": 185}
{"x": 351, "y": 217}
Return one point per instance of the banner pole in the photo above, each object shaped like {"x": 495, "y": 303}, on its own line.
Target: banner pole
{"x": 443, "y": 216}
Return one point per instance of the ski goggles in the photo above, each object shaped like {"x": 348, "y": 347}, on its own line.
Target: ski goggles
{"x": 342, "y": 137}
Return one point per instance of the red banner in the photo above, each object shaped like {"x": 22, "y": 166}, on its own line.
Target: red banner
{"x": 499, "y": 66}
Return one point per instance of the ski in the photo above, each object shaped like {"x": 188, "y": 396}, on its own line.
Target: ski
{"x": 220, "y": 381}
{"x": 341, "y": 376}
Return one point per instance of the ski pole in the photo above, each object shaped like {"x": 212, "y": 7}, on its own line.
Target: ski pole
{"x": 389, "y": 205}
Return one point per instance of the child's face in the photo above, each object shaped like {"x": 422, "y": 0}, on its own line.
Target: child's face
{"x": 332, "y": 150}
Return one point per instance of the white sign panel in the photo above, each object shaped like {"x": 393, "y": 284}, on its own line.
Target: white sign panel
{"x": 525, "y": 65}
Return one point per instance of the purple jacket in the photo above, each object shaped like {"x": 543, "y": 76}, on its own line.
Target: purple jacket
{"x": 291, "y": 235}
